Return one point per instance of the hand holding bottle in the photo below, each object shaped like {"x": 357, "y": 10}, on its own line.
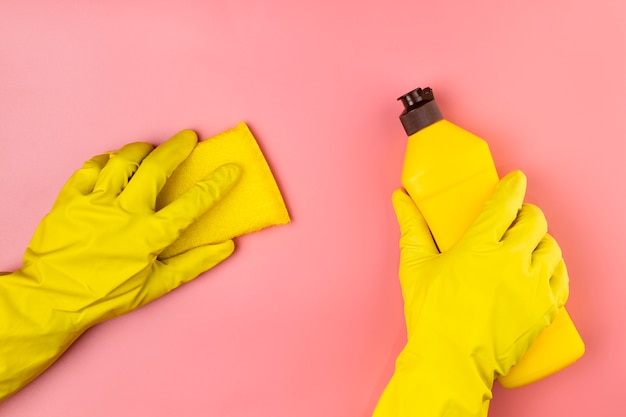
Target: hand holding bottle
{"x": 472, "y": 311}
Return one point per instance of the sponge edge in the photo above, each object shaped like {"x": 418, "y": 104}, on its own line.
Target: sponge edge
{"x": 254, "y": 203}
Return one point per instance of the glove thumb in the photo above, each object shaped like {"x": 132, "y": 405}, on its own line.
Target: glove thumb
{"x": 416, "y": 239}
{"x": 172, "y": 272}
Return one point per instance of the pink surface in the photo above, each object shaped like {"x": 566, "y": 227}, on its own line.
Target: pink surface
{"x": 306, "y": 319}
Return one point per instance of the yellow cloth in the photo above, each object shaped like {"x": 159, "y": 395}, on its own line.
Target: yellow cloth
{"x": 255, "y": 203}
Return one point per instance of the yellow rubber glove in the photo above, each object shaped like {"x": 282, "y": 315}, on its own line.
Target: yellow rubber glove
{"x": 473, "y": 311}
{"x": 96, "y": 254}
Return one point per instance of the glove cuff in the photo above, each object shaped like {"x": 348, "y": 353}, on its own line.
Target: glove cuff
{"x": 33, "y": 334}
{"x": 436, "y": 380}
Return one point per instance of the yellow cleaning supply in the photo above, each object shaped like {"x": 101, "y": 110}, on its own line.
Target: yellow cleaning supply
{"x": 254, "y": 204}
{"x": 450, "y": 174}
{"x": 101, "y": 251}
{"x": 472, "y": 311}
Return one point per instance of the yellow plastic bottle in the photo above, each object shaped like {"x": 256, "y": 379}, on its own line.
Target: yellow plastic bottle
{"x": 449, "y": 173}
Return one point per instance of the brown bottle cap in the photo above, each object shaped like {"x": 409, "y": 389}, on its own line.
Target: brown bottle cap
{"x": 420, "y": 110}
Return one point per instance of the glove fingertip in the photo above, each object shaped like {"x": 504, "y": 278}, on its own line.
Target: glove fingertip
{"x": 84, "y": 179}
{"x": 515, "y": 179}
{"x": 187, "y": 136}
{"x": 501, "y": 209}
{"x": 221, "y": 180}
{"x": 559, "y": 284}
{"x": 511, "y": 188}
{"x": 223, "y": 250}
{"x": 415, "y": 232}
{"x": 201, "y": 258}
{"x": 225, "y": 175}
{"x": 402, "y": 202}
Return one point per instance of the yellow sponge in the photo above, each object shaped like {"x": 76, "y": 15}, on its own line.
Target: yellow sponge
{"x": 253, "y": 204}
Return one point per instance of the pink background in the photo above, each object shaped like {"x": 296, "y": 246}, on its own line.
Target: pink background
{"x": 306, "y": 319}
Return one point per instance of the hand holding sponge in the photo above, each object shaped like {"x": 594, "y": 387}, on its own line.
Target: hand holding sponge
{"x": 254, "y": 204}
{"x": 108, "y": 246}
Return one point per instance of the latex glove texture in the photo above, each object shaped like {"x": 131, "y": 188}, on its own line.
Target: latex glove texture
{"x": 96, "y": 254}
{"x": 472, "y": 311}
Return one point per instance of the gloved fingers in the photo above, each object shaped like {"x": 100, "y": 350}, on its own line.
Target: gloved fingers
{"x": 528, "y": 229}
{"x": 120, "y": 168}
{"x": 548, "y": 266}
{"x": 188, "y": 265}
{"x": 415, "y": 234}
{"x": 83, "y": 180}
{"x": 559, "y": 283}
{"x": 171, "y": 273}
{"x": 501, "y": 209}
{"x": 141, "y": 192}
{"x": 183, "y": 211}
{"x": 546, "y": 256}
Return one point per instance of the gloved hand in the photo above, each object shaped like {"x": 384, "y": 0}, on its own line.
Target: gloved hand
{"x": 96, "y": 254}
{"x": 473, "y": 311}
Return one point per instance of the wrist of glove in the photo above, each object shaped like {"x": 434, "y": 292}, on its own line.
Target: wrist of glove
{"x": 33, "y": 332}
{"x": 472, "y": 311}
{"x": 96, "y": 254}
{"x": 436, "y": 380}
